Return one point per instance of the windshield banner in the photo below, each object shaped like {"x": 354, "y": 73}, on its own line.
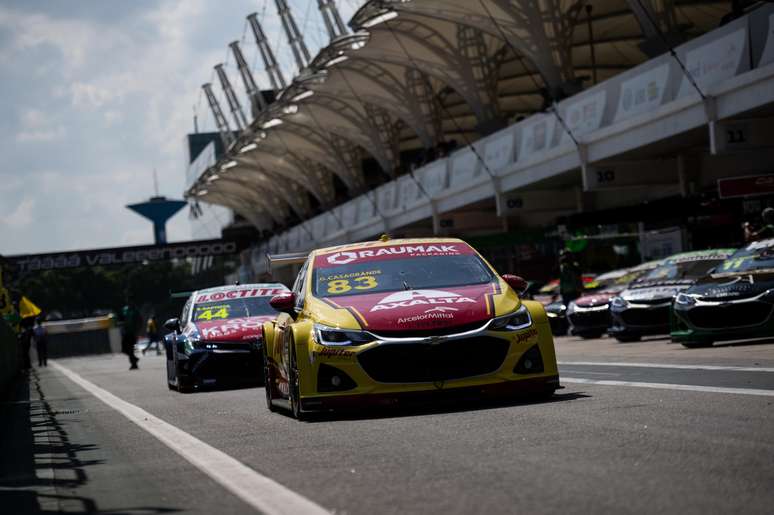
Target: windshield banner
{"x": 381, "y": 253}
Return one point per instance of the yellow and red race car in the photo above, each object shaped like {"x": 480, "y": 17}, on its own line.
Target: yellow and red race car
{"x": 392, "y": 320}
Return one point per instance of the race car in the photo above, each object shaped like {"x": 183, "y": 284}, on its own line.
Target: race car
{"x": 397, "y": 321}
{"x": 548, "y": 295}
{"x": 735, "y": 302}
{"x": 589, "y": 315}
{"x": 218, "y": 337}
{"x": 644, "y": 307}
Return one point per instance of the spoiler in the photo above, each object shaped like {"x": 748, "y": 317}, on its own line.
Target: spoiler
{"x": 180, "y": 294}
{"x": 292, "y": 258}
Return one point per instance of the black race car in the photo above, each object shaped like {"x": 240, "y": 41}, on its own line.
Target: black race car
{"x": 218, "y": 337}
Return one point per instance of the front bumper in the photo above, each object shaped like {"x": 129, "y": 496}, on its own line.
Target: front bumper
{"x": 718, "y": 321}
{"x": 589, "y": 320}
{"x": 640, "y": 319}
{"x": 490, "y": 363}
{"x": 211, "y": 367}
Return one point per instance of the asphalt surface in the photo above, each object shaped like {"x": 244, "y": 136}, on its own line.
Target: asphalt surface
{"x": 595, "y": 448}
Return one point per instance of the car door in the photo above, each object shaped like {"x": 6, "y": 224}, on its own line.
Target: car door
{"x": 176, "y": 344}
{"x": 283, "y": 327}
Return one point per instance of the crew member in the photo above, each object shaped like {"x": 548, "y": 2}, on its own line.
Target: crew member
{"x": 152, "y": 332}
{"x": 570, "y": 278}
{"x": 132, "y": 323}
{"x": 40, "y": 334}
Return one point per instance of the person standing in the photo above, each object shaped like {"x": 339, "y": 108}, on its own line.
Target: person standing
{"x": 132, "y": 322}
{"x": 570, "y": 277}
{"x": 152, "y": 332}
{"x": 25, "y": 342}
{"x": 40, "y": 334}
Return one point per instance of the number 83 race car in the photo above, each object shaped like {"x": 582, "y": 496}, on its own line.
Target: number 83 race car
{"x": 382, "y": 322}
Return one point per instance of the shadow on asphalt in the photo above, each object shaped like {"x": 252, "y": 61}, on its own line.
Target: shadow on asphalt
{"x": 443, "y": 407}
{"x": 40, "y": 466}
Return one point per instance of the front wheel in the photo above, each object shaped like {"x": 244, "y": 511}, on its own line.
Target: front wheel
{"x": 627, "y": 338}
{"x": 268, "y": 381}
{"x": 295, "y": 385}
{"x": 591, "y": 336}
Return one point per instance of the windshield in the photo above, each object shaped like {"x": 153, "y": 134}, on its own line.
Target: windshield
{"x": 756, "y": 256}
{"x": 232, "y": 308}
{"x": 415, "y": 273}
{"x": 681, "y": 270}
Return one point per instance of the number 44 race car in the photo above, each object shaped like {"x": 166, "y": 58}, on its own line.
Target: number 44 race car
{"x": 218, "y": 337}
{"x": 382, "y": 322}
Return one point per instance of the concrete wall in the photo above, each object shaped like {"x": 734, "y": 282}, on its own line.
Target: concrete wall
{"x": 9, "y": 355}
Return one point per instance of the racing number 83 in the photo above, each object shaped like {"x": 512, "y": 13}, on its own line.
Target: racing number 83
{"x": 340, "y": 286}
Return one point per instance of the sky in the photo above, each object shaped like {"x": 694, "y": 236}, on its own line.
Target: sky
{"x": 96, "y": 94}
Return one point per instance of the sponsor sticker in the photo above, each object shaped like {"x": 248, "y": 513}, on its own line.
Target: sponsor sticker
{"x": 345, "y": 257}
{"x": 239, "y": 294}
{"x": 408, "y": 298}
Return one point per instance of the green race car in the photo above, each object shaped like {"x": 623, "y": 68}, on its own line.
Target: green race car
{"x": 734, "y": 302}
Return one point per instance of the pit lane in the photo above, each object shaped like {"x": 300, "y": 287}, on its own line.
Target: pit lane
{"x": 599, "y": 449}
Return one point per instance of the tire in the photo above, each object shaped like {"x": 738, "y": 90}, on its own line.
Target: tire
{"x": 184, "y": 386}
{"x": 698, "y": 344}
{"x": 268, "y": 381}
{"x": 591, "y": 336}
{"x": 627, "y": 338}
{"x": 295, "y": 385}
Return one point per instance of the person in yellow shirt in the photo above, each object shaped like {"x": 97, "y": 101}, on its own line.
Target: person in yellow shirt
{"x": 152, "y": 332}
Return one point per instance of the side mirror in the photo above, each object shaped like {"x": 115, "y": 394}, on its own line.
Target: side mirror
{"x": 173, "y": 324}
{"x": 518, "y": 284}
{"x": 284, "y": 302}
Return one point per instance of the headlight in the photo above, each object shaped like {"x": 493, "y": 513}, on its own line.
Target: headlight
{"x": 332, "y": 337}
{"x": 618, "y": 303}
{"x": 519, "y": 319}
{"x": 685, "y": 300}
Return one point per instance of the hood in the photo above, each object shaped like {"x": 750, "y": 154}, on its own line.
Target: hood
{"x": 232, "y": 330}
{"x": 420, "y": 310}
{"x": 654, "y": 293}
{"x": 596, "y": 299}
{"x": 732, "y": 287}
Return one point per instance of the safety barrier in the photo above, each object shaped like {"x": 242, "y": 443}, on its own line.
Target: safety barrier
{"x": 67, "y": 338}
{"x": 9, "y": 355}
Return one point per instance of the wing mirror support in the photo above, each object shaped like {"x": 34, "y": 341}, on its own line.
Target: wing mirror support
{"x": 519, "y": 284}
{"x": 284, "y": 303}
{"x": 173, "y": 324}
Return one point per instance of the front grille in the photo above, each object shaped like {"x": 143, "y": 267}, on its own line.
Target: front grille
{"x": 646, "y": 317}
{"x": 424, "y": 363}
{"x": 729, "y": 315}
{"x": 590, "y": 318}
{"x": 247, "y": 345}
{"x": 424, "y": 333}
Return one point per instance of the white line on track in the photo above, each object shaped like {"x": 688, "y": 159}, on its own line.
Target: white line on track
{"x": 667, "y": 386}
{"x": 663, "y": 365}
{"x": 260, "y": 492}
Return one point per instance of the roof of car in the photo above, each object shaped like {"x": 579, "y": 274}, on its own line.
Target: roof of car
{"x": 385, "y": 243}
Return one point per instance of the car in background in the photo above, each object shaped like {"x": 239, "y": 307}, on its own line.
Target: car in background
{"x": 734, "y": 302}
{"x": 393, "y": 321}
{"x": 589, "y": 315}
{"x": 219, "y": 336}
{"x": 549, "y": 296}
{"x": 644, "y": 307}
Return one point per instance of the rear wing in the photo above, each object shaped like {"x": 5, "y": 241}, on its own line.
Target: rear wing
{"x": 180, "y": 294}
{"x": 277, "y": 260}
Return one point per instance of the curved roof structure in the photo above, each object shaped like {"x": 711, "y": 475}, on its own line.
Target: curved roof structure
{"x": 416, "y": 73}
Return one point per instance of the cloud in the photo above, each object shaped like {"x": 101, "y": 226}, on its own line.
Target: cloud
{"x": 98, "y": 94}
{"x": 37, "y": 126}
